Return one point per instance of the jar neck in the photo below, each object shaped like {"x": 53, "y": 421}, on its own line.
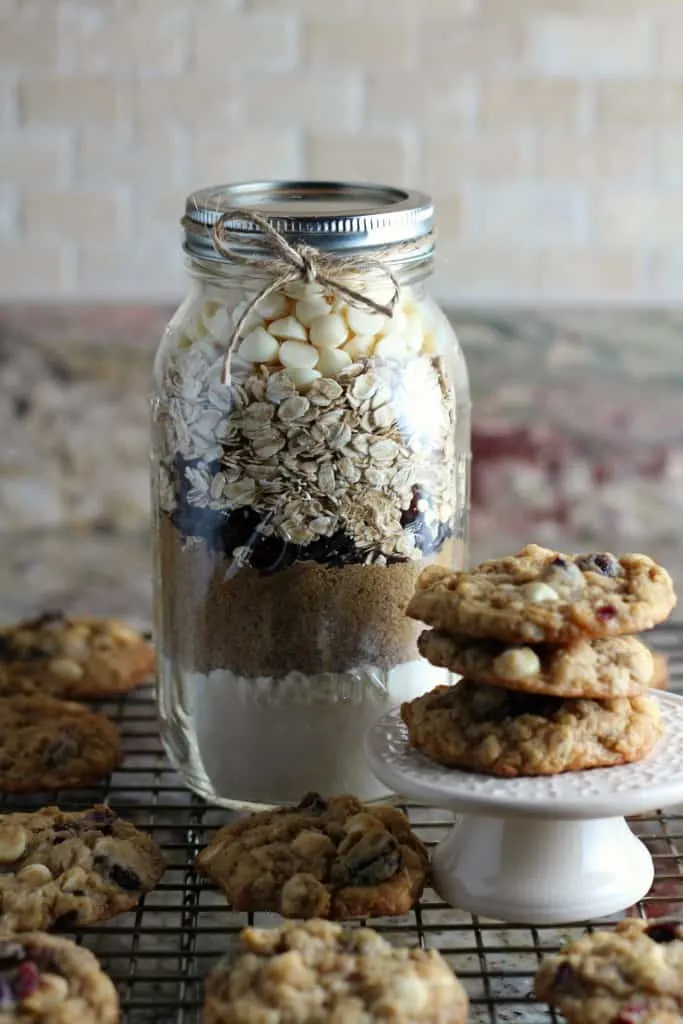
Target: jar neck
{"x": 223, "y": 273}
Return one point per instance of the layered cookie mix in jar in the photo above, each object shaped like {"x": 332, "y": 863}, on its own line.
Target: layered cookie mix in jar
{"x": 311, "y": 457}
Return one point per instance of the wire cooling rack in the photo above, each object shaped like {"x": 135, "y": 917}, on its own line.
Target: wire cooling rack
{"x": 159, "y": 953}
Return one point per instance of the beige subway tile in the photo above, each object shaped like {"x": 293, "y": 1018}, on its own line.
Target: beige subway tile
{"x": 149, "y": 270}
{"x": 668, "y": 152}
{"x": 75, "y": 214}
{"x": 669, "y": 45}
{"x": 533, "y": 102}
{"x": 129, "y": 35}
{"x": 34, "y": 270}
{"x": 366, "y": 157}
{"x": 147, "y": 157}
{"x": 314, "y": 100}
{"x": 590, "y": 274}
{"x": 247, "y": 153}
{"x": 665, "y": 273}
{"x": 497, "y": 273}
{"x": 71, "y": 101}
{"x": 451, "y": 158}
{"x": 35, "y": 157}
{"x": 28, "y": 37}
{"x": 434, "y": 97}
{"x": 525, "y": 214}
{"x": 267, "y": 42}
{"x": 373, "y": 45}
{"x": 390, "y": 10}
{"x": 638, "y": 216}
{"x": 619, "y": 156}
{"x": 560, "y": 44}
{"x": 481, "y": 46}
{"x": 157, "y": 211}
{"x": 198, "y": 102}
{"x": 632, "y": 103}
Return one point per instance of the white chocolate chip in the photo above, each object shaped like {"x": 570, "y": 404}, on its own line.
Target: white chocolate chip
{"x": 517, "y": 663}
{"x": 303, "y": 377}
{"x": 332, "y": 361}
{"x": 259, "y": 346}
{"x": 430, "y": 345}
{"x": 312, "y": 844}
{"x": 303, "y": 289}
{"x": 273, "y": 306}
{"x": 13, "y": 841}
{"x": 361, "y": 346}
{"x": 308, "y": 310}
{"x": 64, "y": 668}
{"x": 288, "y": 329}
{"x": 538, "y": 593}
{"x": 329, "y": 331}
{"x": 391, "y": 346}
{"x": 298, "y": 355}
{"x": 218, "y": 324}
{"x": 74, "y": 878}
{"x": 413, "y": 335}
{"x": 362, "y": 321}
{"x": 125, "y": 634}
{"x": 34, "y": 875}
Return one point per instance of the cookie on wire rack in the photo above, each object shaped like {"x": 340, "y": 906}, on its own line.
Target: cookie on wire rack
{"x": 320, "y": 971}
{"x": 334, "y": 858}
{"x": 69, "y": 869}
{"x": 72, "y": 657}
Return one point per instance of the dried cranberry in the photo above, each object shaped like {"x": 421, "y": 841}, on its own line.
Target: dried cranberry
{"x": 559, "y": 562}
{"x": 312, "y": 802}
{"x": 65, "y": 746}
{"x": 564, "y": 974}
{"x": 604, "y": 563}
{"x": 605, "y": 612}
{"x": 125, "y": 878}
{"x": 663, "y": 931}
{"x": 27, "y": 980}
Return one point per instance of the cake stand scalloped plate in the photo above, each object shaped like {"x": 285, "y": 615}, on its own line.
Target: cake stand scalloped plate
{"x": 549, "y": 849}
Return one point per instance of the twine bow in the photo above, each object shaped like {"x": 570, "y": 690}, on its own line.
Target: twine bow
{"x": 288, "y": 262}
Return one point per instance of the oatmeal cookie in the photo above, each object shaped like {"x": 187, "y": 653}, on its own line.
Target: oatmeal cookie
{"x": 49, "y": 980}
{"x": 331, "y": 858}
{"x": 72, "y": 868}
{"x": 319, "y": 971}
{"x": 660, "y": 671}
{"x": 48, "y": 744}
{"x": 619, "y": 666}
{"x": 540, "y": 595}
{"x": 503, "y": 732}
{"x": 74, "y": 658}
{"x": 631, "y": 975}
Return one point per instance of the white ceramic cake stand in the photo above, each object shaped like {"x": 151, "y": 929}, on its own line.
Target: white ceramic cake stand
{"x": 544, "y": 850}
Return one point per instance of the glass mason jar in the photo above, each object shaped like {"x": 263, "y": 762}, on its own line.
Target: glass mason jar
{"x": 304, "y": 474}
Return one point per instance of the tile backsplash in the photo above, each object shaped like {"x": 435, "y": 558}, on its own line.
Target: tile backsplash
{"x": 550, "y": 133}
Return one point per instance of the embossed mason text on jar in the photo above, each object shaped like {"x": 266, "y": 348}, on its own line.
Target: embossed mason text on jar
{"x": 310, "y": 458}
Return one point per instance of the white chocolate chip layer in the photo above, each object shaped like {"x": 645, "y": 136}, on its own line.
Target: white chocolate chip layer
{"x": 537, "y": 593}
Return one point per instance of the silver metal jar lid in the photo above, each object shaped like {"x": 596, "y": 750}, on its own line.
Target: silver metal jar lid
{"x": 333, "y": 216}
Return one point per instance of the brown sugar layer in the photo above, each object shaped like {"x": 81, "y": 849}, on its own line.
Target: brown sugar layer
{"x": 308, "y": 618}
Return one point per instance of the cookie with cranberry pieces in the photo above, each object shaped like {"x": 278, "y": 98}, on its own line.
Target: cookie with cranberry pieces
{"x": 620, "y": 666}
{"x": 320, "y": 971}
{"x": 495, "y": 731}
{"x": 333, "y": 858}
{"x": 75, "y": 658}
{"x": 45, "y": 979}
{"x": 69, "y": 869}
{"x": 48, "y": 744}
{"x": 630, "y": 975}
{"x": 541, "y": 595}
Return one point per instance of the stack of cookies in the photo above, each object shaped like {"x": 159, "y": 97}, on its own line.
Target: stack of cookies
{"x": 553, "y": 680}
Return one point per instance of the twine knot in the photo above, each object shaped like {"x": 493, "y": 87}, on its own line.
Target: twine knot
{"x": 287, "y": 262}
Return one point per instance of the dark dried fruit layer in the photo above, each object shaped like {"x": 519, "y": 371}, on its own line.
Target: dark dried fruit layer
{"x": 224, "y": 532}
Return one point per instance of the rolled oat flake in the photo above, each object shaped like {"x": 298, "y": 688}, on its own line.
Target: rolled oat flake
{"x": 310, "y": 456}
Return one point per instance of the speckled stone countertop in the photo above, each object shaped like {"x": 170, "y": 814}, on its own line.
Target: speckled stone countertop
{"x": 577, "y": 443}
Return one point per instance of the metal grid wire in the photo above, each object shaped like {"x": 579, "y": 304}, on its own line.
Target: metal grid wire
{"x": 159, "y": 953}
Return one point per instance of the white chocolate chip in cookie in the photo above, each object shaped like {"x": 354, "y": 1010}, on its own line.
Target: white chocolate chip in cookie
{"x": 517, "y": 663}
{"x": 66, "y": 669}
{"x": 51, "y": 991}
{"x": 34, "y": 875}
{"x": 310, "y": 844}
{"x": 538, "y": 593}
{"x": 13, "y": 841}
